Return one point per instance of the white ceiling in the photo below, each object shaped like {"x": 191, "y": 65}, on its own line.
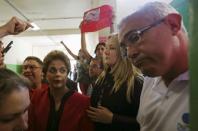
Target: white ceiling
{"x": 47, "y": 14}
{"x": 58, "y": 15}
{"x": 57, "y": 19}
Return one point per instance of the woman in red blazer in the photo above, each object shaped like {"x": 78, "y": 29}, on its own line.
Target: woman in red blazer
{"x": 58, "y": 108}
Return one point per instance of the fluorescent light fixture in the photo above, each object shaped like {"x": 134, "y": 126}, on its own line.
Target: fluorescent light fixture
{"x": 35, "y": 26}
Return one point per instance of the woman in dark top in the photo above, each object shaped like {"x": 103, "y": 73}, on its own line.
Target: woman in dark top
{"x": 115, "y": 98}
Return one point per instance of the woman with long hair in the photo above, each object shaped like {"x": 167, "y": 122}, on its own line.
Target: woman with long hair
{"x": 115, "y": 98}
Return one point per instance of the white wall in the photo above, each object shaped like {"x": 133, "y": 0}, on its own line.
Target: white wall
{"x": 72, "y": 41}
{"x": 20, "y": 49}
{"x": 41, "y": 45}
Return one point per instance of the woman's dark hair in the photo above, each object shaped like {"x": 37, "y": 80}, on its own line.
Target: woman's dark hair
{"x": 97, "y": 46}
{"x": 56, "y": 55}
{"x": 10, "y": 81}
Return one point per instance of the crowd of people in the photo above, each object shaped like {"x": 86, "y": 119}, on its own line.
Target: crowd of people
{"x": 146, "y": 90}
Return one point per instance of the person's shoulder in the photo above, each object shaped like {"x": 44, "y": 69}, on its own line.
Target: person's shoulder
{"x": 80, "y": 96}
{"x": 151, "y": 80}
{"x": 44, "y": 86}
{"x": 138, "y": 85}
{"x": 149, "y": 84}
{"x": 138, "y": 82}
{"x": 81, "y": 99}
{"x": 40, "y": 92}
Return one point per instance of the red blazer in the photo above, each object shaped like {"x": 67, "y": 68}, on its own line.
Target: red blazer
{"x": 73, "y": 117}
{"x": 31, "y": 91}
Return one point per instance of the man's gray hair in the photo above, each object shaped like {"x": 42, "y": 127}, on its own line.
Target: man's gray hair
{"x": 156, "y": 10}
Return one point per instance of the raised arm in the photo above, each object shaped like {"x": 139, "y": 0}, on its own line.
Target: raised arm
{"x": 14, "y": 27}
{"x": 2, "y": 65}
{"x": 84, "y": 45}
{"x": 69, "y": 51}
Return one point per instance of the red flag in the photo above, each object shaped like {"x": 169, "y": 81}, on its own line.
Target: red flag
{"x": 97, "y": 18}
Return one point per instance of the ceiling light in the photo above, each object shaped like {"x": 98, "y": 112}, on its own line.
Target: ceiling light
{"x": 35, "y": 26}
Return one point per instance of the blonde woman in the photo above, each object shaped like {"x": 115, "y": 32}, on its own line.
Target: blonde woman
{"x": 115, "y": 98}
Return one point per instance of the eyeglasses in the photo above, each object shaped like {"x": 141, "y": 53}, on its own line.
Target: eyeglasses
{"x": 53, "y": 70}
{"x": 134, "y": 36}
{"x": 31, "y": 67}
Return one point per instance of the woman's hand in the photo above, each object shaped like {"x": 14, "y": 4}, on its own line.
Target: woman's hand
{"x": 100, "y": 114}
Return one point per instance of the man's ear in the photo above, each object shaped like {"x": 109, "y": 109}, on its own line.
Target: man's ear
{"x": 174, "y": 22}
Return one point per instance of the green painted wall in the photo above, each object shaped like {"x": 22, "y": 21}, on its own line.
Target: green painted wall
{"x": 194, "y": 64}
{"x": 15, "y": 68}
{"x": 183, "y": 7}
{"x": 190, "y": 16}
